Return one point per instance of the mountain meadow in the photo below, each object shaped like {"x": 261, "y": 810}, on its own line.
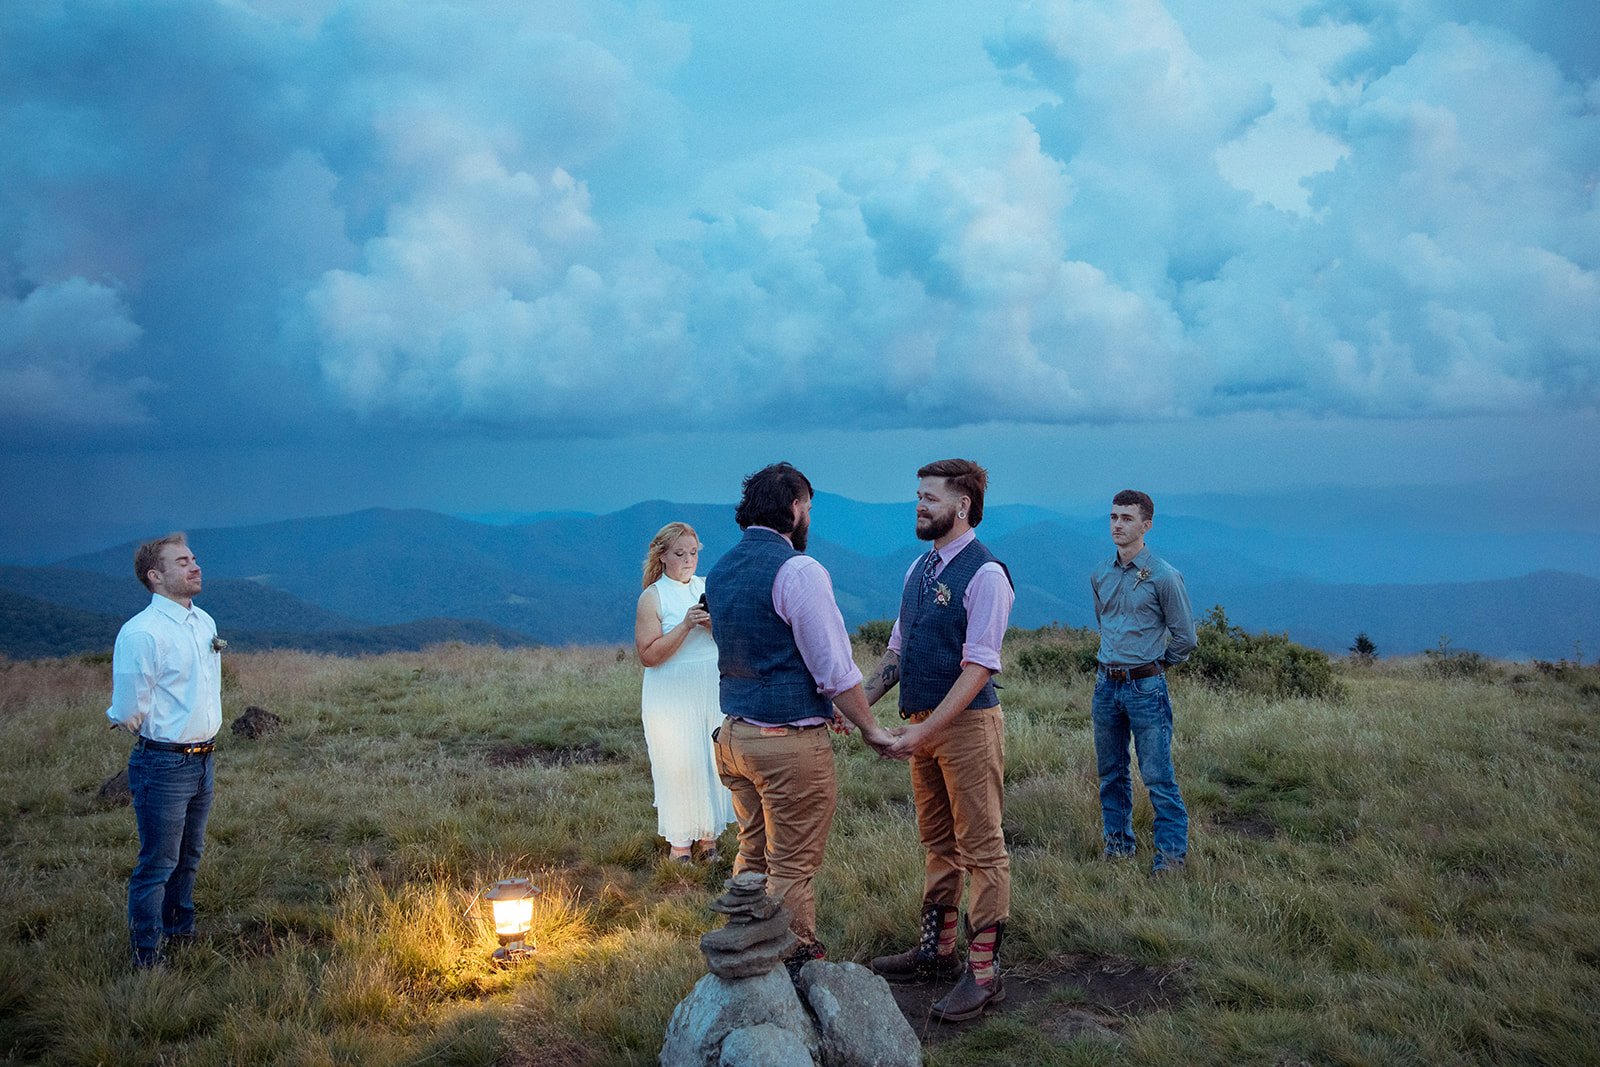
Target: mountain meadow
{"x": 1393, "y": 861}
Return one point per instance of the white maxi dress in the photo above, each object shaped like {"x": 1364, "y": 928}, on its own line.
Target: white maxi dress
{"x": 680, "y": 709}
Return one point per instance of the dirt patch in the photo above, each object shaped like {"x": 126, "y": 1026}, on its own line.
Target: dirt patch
{"x": 256, "y": 722}
{"x": 1241, "y": 825}
{"x": 1069, "y": 996}
{"x": 517, "y": 755}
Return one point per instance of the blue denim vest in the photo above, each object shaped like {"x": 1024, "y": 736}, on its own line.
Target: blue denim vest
{"x": 763, "y": 675}
{"x": 932, "y": 633}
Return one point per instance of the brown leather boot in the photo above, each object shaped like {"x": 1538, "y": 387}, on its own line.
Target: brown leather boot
{"x": 968, "y": 999}
{"x": 922, "y": 963}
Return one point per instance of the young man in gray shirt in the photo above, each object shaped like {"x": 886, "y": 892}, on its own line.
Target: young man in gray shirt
{"x": 1145, "y": 627}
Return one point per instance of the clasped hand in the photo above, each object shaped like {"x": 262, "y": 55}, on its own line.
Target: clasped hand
{"x": 886, "y": 743}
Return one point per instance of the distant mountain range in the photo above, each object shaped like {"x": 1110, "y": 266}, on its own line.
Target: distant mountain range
{"x": 382, "y": 579}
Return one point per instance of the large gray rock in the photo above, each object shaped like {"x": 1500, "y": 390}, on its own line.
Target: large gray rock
{"x": 764, "y": 1046}
{"x": 860, "y": 1024}
{"x": 716, "y": 1007}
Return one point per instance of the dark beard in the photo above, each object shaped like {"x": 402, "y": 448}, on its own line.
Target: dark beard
{"x": 797, "y": 536}
{"x": 937, "y": 527}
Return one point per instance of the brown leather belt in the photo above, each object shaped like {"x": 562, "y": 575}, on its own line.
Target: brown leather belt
{"x": 1128, "y": 674}
{"x": 187, "y": 748}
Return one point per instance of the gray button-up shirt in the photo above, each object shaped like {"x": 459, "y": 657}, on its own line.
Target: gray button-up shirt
{"x": 1143, "y": 612}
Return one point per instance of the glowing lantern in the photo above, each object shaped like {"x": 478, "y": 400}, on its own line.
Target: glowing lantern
{"x": 512, "y": 901}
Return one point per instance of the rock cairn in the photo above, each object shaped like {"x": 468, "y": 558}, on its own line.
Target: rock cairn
{"x": 747, "y": 1011}
{"x": 757, "y": 936}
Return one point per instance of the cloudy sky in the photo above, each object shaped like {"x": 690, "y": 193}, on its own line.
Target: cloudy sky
{"x": 267, "y": 258}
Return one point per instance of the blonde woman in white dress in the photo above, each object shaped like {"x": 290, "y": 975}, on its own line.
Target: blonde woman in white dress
{"x": 672, "y": 632}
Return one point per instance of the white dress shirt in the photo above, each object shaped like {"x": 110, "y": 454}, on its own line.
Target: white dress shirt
{"x": 166, "y": 679}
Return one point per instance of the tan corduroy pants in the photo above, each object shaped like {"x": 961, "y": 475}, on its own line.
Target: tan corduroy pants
{"x": 959, "y": 786}
{"x": 782, "y": 782}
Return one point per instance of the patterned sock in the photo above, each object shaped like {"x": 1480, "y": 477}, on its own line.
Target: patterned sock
{"x": 980, "y": 955}
{"x": 947, "y": 932}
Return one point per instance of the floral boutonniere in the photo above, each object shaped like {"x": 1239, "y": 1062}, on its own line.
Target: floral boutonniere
{"x": 1144, "y": 576}
{"x": 941, "y": 595}
{"x": 218, "y": 644}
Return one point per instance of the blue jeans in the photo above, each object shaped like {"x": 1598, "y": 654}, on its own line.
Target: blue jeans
{"x": 1141, "y": 710}
{"x": 171, "y": 801}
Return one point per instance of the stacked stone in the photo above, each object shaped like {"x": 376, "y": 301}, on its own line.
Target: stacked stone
{"x": 757, "y": 936}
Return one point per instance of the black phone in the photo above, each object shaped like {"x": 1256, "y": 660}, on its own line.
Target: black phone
{"x": 702, "y": 603}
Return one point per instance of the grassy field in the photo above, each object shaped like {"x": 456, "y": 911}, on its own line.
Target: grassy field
{"x": 1407, "y": 873}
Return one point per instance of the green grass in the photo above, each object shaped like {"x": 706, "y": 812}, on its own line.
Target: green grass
{"x": 1405, "y": 873}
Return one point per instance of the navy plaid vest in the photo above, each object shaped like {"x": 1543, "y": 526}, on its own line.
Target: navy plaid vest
{"x": 763, "y": 675}
{"x": 932, "y": 633}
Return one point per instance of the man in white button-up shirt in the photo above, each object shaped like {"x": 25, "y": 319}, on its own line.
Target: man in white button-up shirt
{"x": 167, "y": 689}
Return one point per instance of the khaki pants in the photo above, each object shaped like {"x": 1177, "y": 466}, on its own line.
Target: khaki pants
{"x": 958, "y": 784}
{"x": 783, "y": 795}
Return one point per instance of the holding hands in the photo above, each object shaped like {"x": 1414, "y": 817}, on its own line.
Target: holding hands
{"x": 907, "y": 739}
{"x": 882, "y": 742}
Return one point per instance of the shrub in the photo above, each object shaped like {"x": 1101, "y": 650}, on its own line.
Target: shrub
{"x": 1054, "y": 662}
{"x": 1259, "y": 663}
{"x": 1363, "y": 651}
{"x": 1051, "y": 653}
{"x": 1447, "y": 662}
{"x": 874, "y": 635}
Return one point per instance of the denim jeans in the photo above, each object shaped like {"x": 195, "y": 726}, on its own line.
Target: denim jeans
{"x": 171, "y": 801}
{"x": 1141, "y": 710}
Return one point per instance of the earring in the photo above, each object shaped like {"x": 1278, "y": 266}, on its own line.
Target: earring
{"x": 961, "y": 514}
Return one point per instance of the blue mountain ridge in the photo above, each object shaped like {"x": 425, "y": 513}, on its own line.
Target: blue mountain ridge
{"x": 574, "y": 578}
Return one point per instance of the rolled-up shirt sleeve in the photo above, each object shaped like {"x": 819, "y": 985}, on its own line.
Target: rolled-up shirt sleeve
{"x": 802, "y": 595}
{"x": 988, "y": 603}
{"x": 133, "y": 679}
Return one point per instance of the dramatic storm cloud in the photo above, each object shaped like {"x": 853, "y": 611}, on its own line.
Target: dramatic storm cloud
{"x": 540, "y": 219}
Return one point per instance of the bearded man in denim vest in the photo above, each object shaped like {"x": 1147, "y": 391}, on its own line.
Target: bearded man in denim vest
{"x": 1146, "y": 626}
{"x": 166, "y": 688}
{"x": 943, "y": 653}
{"x": 785, "y": 664}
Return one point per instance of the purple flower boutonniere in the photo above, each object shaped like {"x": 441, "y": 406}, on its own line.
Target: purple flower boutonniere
{"x": 941, "y": 595}
{"x": 1144, "y": 576}
{"x": 218, "y": 644}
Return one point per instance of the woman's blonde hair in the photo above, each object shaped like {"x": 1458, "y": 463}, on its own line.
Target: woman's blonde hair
{"x": 653, "y": 565}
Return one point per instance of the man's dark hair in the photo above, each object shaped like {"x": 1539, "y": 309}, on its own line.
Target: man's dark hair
{"x": 147, "y": 557}
{"x": 1133, "y": 496}
{"x": 965, "y": 477}
{"x": 769, "y": 496}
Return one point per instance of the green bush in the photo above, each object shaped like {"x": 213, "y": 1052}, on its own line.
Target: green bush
{"x": 874, "y": 635}
{"x": 1051, "y": 653}
{"x": 1447, "y": 662}
{"x": 1259, "y": 663}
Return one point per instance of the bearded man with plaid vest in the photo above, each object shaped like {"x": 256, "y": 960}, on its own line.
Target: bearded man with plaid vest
{"x": 943, "y": 653}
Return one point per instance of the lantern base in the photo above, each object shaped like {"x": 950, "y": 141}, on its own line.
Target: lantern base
{"x": 516, "y": 952}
